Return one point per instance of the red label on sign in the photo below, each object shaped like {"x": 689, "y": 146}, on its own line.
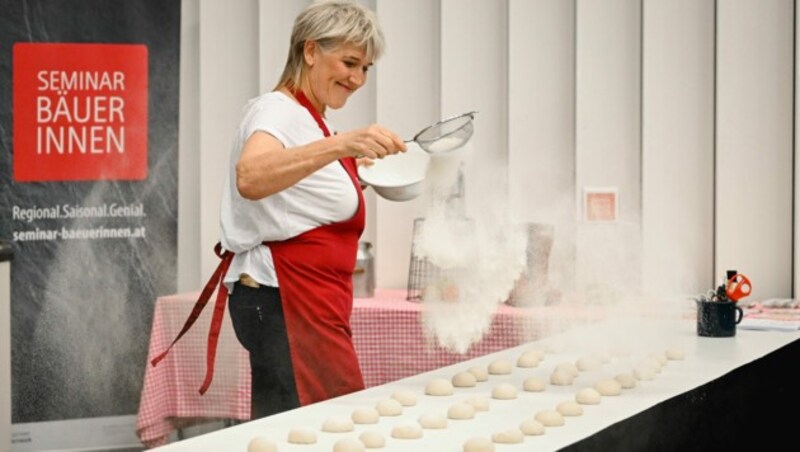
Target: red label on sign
{"x": 80, "y": 112}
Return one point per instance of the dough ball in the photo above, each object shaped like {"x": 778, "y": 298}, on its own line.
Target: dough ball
{"x": 461, "y": 411}
{"x": 481, "y": 374}
{"x": 661, "y": 357}
{"x": 531, "y": 427}
{"x": 389, "y": 407}
{"x": 478, "y": 445}
{"x": 652, "y": 362}
{"x": 569, "y": 408}
{"x": 432, "y": 421}
{"x": 534, "y": 384}
{"x": 406, "y": 397}
{"x": 609, "y": 387}
{"x": 407, "y": 431}
{"x": 348, "y": 445}
{"x": 644, "y": 372}
{"x": 504, "y": 391}
{"x": 675, "y": 354}
{"x": 464, "y": 380}
{"x": 439, "y": 387}
{"x": 528, "y": 359}
{"x": 365, "y": 416}
{"x": 627, "y": 380}
{"x": 261, "y": 444}
{"x": 302, "y": 435}
{"x": 588, "y": 396}
{"x": 337, "y": 425}
{"x": 372, "y": 439}
{"x": 550, "y": 418}
{"x": 561, "y": 377}
{"x": 500, "y": 367}
{"x": 510, "y": 436}
{"x": 480, "y": 403}
{"x": 588, "y": 363}
{"x": 570, "y": 368}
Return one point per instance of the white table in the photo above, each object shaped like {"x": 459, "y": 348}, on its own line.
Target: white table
{"x": 628, "y": 341}
{"x": 387, "y": 335}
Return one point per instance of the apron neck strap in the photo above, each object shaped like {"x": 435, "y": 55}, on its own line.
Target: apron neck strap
{"x": 301, "y": 97}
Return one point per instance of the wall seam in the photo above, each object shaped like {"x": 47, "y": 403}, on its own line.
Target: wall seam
{"x": 794, "y": 150}
{"x": 714, "y": 151}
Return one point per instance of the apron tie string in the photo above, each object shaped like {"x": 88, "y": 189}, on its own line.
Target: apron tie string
{"x": 216, "y": 319}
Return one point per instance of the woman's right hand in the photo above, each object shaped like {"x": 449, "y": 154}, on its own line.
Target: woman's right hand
{"x": 373, "y": 142}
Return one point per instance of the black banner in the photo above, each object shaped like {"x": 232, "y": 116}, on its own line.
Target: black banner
{"x": 88, "y": 196}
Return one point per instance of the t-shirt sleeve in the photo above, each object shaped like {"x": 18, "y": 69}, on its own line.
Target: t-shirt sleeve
{"x": 273, "y": 120}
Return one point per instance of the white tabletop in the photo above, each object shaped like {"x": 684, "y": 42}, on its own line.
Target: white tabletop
{"x": 624, "y": 343}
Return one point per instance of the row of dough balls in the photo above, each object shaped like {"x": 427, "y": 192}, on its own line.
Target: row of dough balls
{"x": 528, "y": 359}
{"x": 563, "y": 374}
{"x": 507, "y": 391}
{"x": 372, "y": 439}
{"x": 536, "y": 425}
{"x": 502, "y": 391}
{"x": 368, "y": 439}
{"x": 528, "y": 427}
{"x": 586, "y": 396}
{"x": 472, "y": 376}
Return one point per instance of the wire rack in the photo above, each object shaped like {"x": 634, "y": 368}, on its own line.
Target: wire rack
{"x": 420, "y": 270}
{"x": 422, "y": 274}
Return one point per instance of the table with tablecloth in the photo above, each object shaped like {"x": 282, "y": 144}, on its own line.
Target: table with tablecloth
{"x": 388, "y": 336}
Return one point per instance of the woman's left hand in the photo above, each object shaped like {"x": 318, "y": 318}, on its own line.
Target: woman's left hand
{"x": 364, "y": 161}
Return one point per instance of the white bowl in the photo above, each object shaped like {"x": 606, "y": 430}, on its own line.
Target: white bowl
{"x": 398, "y": 177}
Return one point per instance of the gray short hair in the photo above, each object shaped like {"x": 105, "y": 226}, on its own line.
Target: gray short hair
{"x": 331, "y": 23}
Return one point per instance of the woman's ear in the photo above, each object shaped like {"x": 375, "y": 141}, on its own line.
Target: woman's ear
{"x": 309, "y": 52}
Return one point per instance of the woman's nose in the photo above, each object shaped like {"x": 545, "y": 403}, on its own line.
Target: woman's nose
{"x": 358, "y": 77}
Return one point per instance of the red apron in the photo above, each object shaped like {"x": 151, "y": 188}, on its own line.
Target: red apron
{"x": 314, "y": 273}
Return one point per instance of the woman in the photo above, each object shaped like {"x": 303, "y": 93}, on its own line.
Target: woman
{"x": 292, "y": 213}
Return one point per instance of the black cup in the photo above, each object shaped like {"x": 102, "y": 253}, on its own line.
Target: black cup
{"x": 717, "y": 318}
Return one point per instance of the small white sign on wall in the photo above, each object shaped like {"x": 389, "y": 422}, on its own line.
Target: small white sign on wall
{"x": 600, "y": 205}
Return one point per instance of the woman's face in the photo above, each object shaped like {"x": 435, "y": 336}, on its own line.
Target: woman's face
{"x": 334, "y": 75}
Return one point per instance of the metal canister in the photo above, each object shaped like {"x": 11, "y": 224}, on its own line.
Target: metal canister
{"x": 364, "y": 273}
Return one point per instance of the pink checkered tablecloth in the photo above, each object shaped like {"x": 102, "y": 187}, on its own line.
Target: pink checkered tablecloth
{"x": 387, "y": 334}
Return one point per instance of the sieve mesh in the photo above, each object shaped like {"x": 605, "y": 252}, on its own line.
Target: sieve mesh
{"x": 446, "y": 135}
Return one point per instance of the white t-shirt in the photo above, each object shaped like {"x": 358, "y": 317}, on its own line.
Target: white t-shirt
{"x": 325, "y": 196}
